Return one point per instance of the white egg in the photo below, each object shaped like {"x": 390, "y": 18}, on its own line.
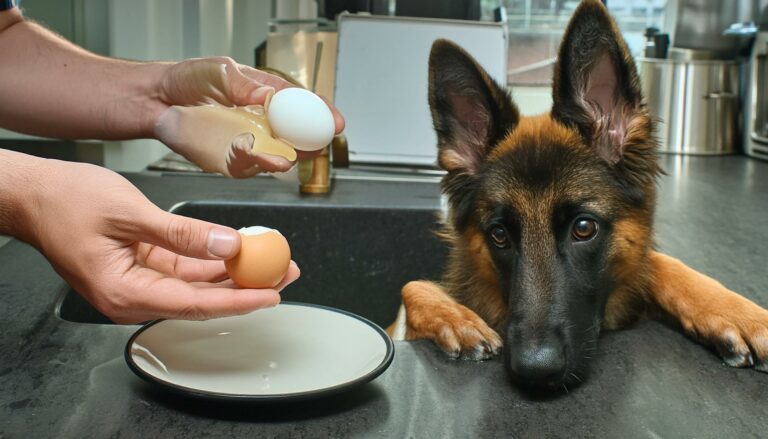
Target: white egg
{"x": 301, "y": 118}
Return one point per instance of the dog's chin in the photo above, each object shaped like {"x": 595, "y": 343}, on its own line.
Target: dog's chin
{"x": 571, "y": 379}
{"x": 573, "y": 375}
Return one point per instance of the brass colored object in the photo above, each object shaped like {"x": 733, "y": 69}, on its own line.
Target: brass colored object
{"x": 340, "y": 151}
{"x": 315, "y": 174}
{"x": 316, "y": 49}
{"x": 319, "y": 181}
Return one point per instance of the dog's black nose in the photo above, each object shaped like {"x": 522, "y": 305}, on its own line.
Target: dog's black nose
{"x": 538, "y": 365}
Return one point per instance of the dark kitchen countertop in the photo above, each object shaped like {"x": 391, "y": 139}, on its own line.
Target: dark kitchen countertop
{"x": 69, "y": 380}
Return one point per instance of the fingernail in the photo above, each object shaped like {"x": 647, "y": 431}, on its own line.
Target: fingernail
{"x": 222, "y": 243}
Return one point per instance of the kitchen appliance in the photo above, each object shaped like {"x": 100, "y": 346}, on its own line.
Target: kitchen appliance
{"x": 756, "y": 102}
{"x": 697, "y": 93}
{"x": 696, "y": 101}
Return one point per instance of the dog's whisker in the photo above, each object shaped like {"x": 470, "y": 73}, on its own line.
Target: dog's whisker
{"x": 576, "y": 377}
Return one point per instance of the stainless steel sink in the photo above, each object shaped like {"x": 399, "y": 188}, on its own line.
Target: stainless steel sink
{"x": 351, "y": 257}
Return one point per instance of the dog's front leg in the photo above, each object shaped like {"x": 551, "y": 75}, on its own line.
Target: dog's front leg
{"x": 432, "y": 314}
{"x": 711, "y": 313}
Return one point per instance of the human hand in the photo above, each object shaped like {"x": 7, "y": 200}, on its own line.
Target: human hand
{"x": 130, "y": 259}
{"x": 219, "y": 81}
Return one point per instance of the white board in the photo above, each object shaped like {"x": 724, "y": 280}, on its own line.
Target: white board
{"x": 381, "y": 81}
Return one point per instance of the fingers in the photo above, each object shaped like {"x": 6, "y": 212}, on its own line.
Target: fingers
{"x": 266, "y": 79}
{"x": 170, "y": 298}
{"x": 182, "y": 267}
{"x": 197, "y": 270}
{"x": 338, "y": 119}
{"x": 260, "y": 95}
{"x": 251, "y": 87}
{"x": 271, "y": 163}
{"x": 186, "y": 236}
{"x": 222, "y": 80}
{"x": 151, "y": 295}
{"x": 242, "y": 162}
{"x": 239, "y": 163}
{"x": 291, "y": 275}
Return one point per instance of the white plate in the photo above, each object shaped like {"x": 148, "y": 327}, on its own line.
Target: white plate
{"x": 292, "y": 351}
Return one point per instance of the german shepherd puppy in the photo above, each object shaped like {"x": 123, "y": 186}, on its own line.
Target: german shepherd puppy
{"x": 550, "y": 220}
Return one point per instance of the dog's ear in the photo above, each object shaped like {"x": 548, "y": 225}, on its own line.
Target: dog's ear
{"x": 470, "y": 112}
{"x": 596, "y": 89}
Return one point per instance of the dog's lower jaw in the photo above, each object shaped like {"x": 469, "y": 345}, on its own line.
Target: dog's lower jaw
{"x": 544, "y": 368}
{"x": 571, "y": 376}
{"x": 551, "y": 368}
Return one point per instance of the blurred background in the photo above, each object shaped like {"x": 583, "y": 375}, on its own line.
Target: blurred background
{"x": 369, "y": 57}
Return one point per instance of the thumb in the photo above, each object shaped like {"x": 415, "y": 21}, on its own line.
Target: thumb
{"x": 190, "y": 237}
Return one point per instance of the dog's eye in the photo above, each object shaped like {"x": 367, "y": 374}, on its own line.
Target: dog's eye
{"x": 584, "y": 229}
{"x": 499, "y": 237}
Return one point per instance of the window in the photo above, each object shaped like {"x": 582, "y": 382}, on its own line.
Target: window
{"x": 536, "y": 28}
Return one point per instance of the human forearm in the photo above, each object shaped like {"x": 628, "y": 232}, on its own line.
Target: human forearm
{"x": 50, "y": 87}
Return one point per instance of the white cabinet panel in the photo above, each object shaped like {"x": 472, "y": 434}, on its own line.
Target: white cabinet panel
{"x": 381, "y": 81}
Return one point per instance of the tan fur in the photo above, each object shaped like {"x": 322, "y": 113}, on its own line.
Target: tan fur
{"x": 465, "y": 312}
{"x": 455, "y": 328}
{"x": 541, "y": 128}
{"x": 707, "y": 310}
{"x": 629, "y": 250}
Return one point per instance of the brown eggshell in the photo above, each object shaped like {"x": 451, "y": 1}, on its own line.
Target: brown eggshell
{"x": 262, "y": 261}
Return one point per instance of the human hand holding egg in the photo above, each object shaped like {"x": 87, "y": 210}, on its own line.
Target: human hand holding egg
{"x": 206, "y": 118}
{"x": 215, "y": 120}
{"x": 136, "y": 262}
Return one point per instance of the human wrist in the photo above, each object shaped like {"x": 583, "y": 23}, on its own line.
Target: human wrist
{"x": 20, "y": 180}
{"x": 143, "y": 102}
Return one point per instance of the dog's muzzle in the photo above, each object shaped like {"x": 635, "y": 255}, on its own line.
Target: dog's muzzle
{"x": 541, "y": 364}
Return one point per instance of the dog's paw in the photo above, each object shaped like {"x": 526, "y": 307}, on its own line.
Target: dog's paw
{"x": 462, "y": 334}
{"x": 711, "y": 313}
{"x": 430, "y": 313}
{"x": 740, "y": 336}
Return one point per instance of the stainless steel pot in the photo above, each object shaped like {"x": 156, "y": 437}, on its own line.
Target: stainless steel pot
{"x": 697, "y": 102}
{"x": 756, "y": 104}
